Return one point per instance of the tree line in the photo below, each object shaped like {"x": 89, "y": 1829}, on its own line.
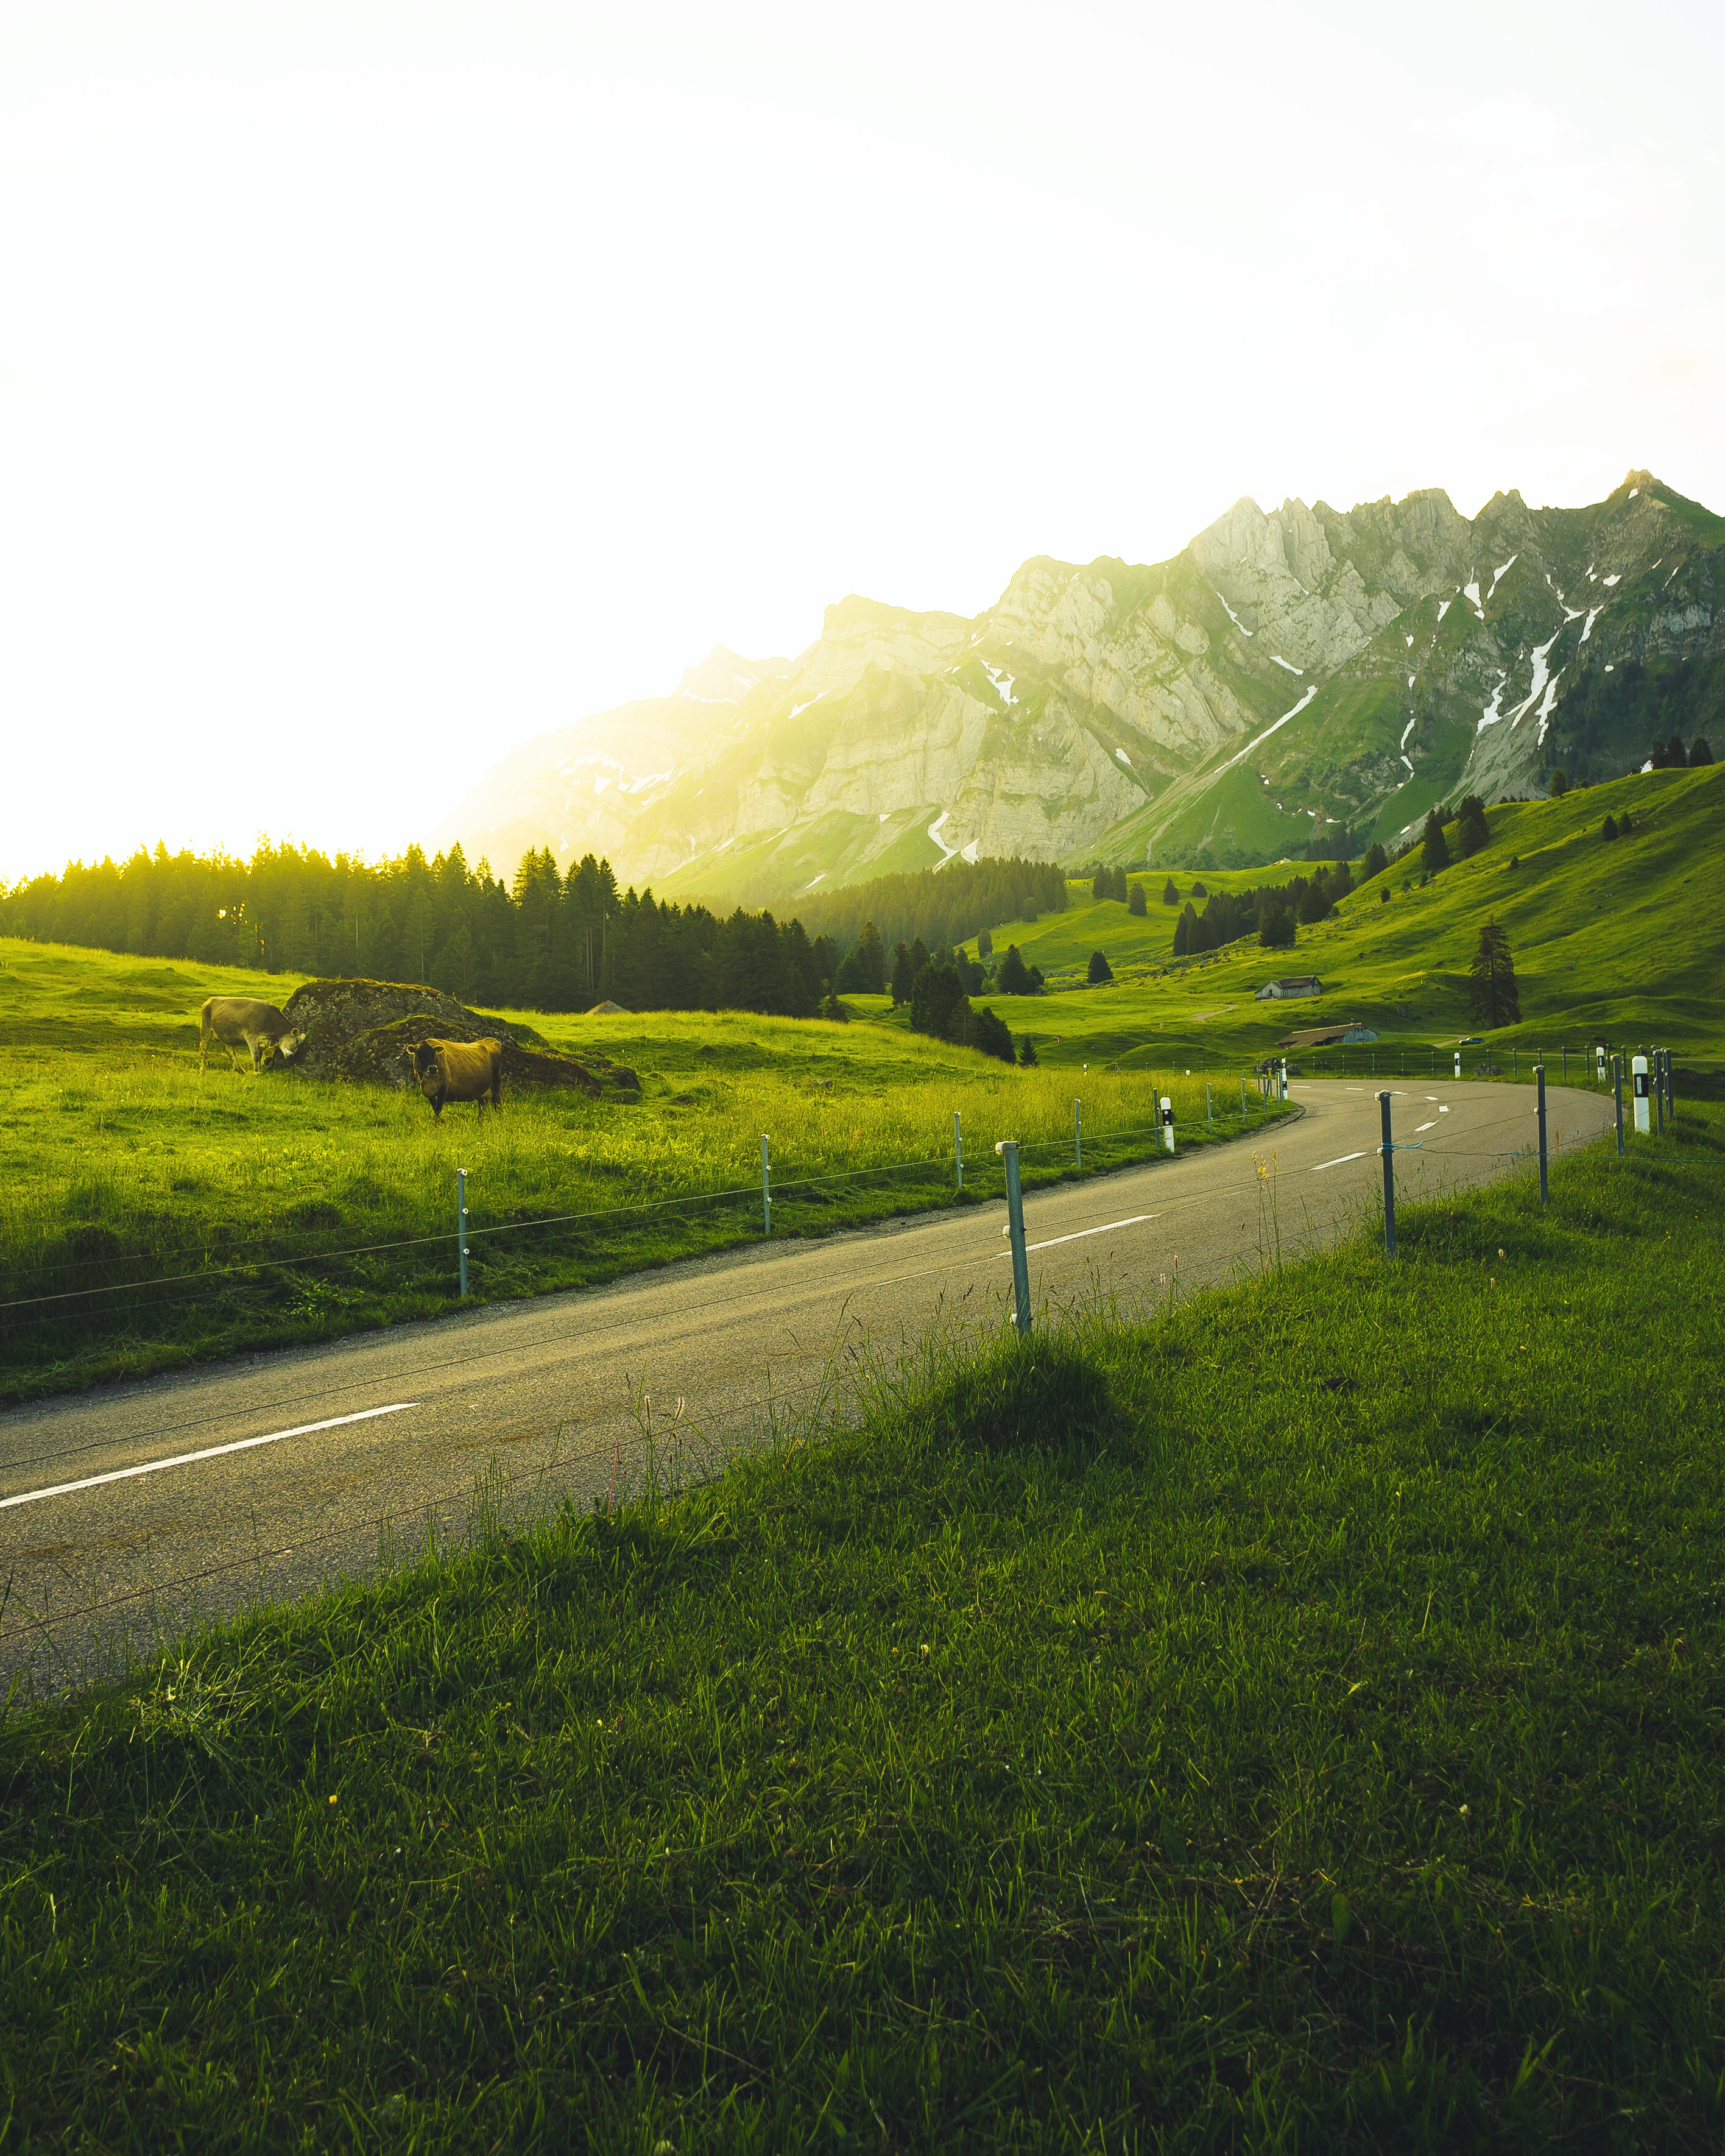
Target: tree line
{"x": 936, "y": 907}
{"x": 545, "y": 941}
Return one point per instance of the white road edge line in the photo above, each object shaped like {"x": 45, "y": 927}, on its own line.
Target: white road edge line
{"x": 1078, "y": 1237}
{"x": 210, "y": 1452}
{"x": 1337, "y": 1162}
{"x": 1431, "y": 1125}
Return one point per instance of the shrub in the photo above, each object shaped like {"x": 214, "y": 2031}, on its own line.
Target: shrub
{"x": 1608, "y": 829}
{"x": 985, "y": 945}
{"x": 1034, "y": 1394}
{"x": 1384, "y": 893}
{"x": 989, "y": 1033}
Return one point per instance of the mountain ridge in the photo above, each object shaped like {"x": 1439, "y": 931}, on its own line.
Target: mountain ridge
{"x": 1293, "y": 677}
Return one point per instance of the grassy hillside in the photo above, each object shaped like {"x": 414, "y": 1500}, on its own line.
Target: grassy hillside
{"x": 1622, "y": 939}
{"x": 1294, "y": 1724}
{"x": 119, "y": 1165}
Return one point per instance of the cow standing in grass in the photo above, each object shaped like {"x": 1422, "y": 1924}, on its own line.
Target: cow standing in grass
{"x": 459, "y": 1071}
{"x": 235, "y": 1020}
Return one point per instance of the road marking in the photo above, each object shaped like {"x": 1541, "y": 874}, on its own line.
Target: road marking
{"x": 1442, "y": 1111}
{"x": 1106, "y": 1230}
{"x": 210, "y": 1452}
{"x": 1431, "y": 1125}
{"x": 1337, "y": 1162}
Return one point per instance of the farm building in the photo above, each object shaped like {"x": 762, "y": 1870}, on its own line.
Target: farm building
{"x": 1298, "y": 984}
{"x": 1328, "y": 1036}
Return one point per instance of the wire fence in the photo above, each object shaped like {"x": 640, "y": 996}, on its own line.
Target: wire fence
{"x": 637, "y": 1460}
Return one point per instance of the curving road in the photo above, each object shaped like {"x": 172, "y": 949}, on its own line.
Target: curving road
{"x": 132, "y": 1509}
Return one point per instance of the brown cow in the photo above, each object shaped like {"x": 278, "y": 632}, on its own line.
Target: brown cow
{"x": 233, "y": 1020}
{"x": 459, "y": 1071}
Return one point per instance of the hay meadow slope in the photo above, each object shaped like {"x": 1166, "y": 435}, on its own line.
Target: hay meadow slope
{"x": 1623, "y": 940}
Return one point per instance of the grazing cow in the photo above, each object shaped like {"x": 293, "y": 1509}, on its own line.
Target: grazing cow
{"x": 459, "y": 1071}
{"x": 236, "y": 1020}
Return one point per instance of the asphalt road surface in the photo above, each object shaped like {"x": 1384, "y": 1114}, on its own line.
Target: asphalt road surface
{"x": 127, "y": 1512}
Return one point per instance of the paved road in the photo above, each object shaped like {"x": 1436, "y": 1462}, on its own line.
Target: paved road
{"x": 304, "y": 1465}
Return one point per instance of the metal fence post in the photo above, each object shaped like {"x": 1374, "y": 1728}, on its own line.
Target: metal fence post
{"x": 461, "y": 1223}
{"x": 1388, "y": 1179}
{"x": 1617, "y": 1087}
{"x": 1016, "y": 1230}
{"x": 1539, "y": 1112}
{"x": 1659, "y": 1088}
{"x": 1243, "y": 1116}
{"x": 959, "y": 1147}
{"x": 1078, "y": 1133}
{"x": 1210, "y": 1111}
{"x": 766, "y": 1189}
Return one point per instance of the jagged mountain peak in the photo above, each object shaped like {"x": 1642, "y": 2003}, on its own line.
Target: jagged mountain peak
{"x": 1291, "y": 670}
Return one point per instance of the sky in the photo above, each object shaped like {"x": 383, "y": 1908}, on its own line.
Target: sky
{"x": 382, "y": 384}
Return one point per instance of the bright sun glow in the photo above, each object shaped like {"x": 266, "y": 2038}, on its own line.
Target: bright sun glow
{"x": 383, "y": 384}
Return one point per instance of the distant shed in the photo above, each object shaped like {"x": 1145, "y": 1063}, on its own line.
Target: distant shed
{"x": 1328, "y": 1036}
{"x": 1296, "y": 984}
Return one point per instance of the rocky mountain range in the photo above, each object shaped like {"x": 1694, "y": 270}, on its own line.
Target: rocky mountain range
{"x": 1294, "y": 678}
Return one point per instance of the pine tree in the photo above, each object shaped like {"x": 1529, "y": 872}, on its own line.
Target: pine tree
{"x": 1135, "y": 904}
{"x": 872, "y": 955}
{"x": 1699, "y": 754}
{"x": 1374, "y": 863}
{"x": 1026, "y": 1053}
{"x": 1436, "y": 853}
{"x": 1277, "y": 932}
{"x": 1015, "y": 977}
{"x": 903, "y": 976}
{"x": 1170, "y": 895}
{"x": 1608, "y": 829}
{"x": 1674, "y": 757}
{"x": 1492, "y": 988}
{"x": 1102, "y": 886}
{"x": 1100, "y": 969}
{"x": 1472, "y": 831}
{"x": 985, "y": 945}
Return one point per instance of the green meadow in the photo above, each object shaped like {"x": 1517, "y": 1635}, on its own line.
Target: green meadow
{"x": 150, "y": 1215}
{"x": 1292, "y": 1723}
{"x": 282, "y": 1209}
{"x": 1621, "y": 939}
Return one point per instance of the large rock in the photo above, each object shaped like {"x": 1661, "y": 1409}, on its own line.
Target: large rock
{"x": 363, "y": 1031}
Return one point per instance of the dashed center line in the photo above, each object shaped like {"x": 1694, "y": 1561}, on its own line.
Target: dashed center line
{"x": 1337, "y": 1162}
{"x": 209, "y": 1452}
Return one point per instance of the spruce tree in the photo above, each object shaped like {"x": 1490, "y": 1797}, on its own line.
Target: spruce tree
{"x": 1699, "y": 754}
{"x": 1608, "y": 829}
{"x": 1374, "y": 863}
{"x": 1472, "y": 831}
{"x": 1435, "y": 850}
{"x": 1014, "y": 978}
{"x": 1170, "y": 895}
{"x": 1492, "y": 988}
{"x": 985, "y": 945}
{"x": 1100, "y": 969}
{"x": 1026, "y": 1053}
{"x": 1135, "y": 903}
{"x": 903, "y": 976}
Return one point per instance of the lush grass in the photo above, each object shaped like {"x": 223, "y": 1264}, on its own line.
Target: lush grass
{"x": 119, "y": 1165}
{"x": 1621, "y": 941}
{"x": 1294, "y": 1722}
